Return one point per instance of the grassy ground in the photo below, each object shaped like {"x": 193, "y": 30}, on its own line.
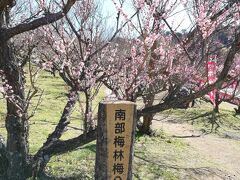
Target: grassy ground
{"x": 203, "y": 118}
{"x": 155, "y": 157}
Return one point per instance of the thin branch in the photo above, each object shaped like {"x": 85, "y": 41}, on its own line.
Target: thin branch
{"x": 37, "y": 105}
{"x": 114, "y": 35}
{"x": 42, "y": 157}
{"x": 179, "y": 40}
{"x": 48, "y": 19}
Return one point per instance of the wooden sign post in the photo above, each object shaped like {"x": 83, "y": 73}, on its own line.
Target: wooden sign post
{"x": 115, "y": 139}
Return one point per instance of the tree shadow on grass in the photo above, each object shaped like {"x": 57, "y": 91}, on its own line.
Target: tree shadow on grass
{"x": 210, "y": 118}
{"x": 215, "y": 121}
{"x": 90, "y": 147}
{"x": 189, "y": 172}
{"x": 80, "y": 175}
{"x": 74, "y": 177}
{"x": 47, "y": 177}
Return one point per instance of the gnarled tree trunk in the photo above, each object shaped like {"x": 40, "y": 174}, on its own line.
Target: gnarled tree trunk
{"x": 217, "y": 102}
{"x": 149, "y": 98}
{"x": 16, "y": 119}
{"x": 16, "y": 151}
{"x": 88, "y": 119}
{"x": 3, "y": 158}
{"x": 147, "y": 119}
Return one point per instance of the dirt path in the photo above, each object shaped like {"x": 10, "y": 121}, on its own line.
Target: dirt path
{"x": 225, "y": 153}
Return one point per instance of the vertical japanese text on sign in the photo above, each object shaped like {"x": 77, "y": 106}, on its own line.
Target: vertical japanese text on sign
{"x": 119, "y": 123}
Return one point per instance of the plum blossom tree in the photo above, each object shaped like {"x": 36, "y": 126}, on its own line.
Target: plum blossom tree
{"x": 155, "y": 56}
{"x": 68, "y": 48}
{"x": 225, "y": 17}
{"x": 16, "y": 150}
{"x": 76, "y": 49}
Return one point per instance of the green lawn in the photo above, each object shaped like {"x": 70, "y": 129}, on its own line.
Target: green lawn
{"x": 203, "y": 118}
{"x": 160, "y": 156}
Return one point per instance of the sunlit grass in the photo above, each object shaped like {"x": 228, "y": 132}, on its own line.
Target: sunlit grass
{"x": 203, "y": 117}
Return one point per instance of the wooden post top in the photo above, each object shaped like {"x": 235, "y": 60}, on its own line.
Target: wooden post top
{"x": 117, "y": 102}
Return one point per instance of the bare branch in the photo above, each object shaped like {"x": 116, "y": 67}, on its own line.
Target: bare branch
{"x": 179, "y": 40}
{"x": 42, "y": 157}
{"x": 64, "y": 121}
{"x": 48, "y": 19}
{"x": 114, "y": 35}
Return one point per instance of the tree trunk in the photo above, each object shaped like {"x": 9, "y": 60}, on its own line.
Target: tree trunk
{"x": 147, "y": 118}
{"x": 88, "y": 120}
{"x": 217, "y": 102}
{"x": 43, "y": 156}
{"x": 16, "y": 119}
{"x": 3, "y": 158}
{"x": 237, "y": 110}
{"x": 149, "y": 98}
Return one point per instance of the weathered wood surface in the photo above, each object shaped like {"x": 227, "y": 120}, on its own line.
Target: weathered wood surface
{"x": 102, "y": 154}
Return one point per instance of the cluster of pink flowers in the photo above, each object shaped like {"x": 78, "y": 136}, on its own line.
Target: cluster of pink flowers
{"x": 42, "y": 3}
{"x": 119, "y": 9}
{"x": 7, "y": 91}
{"x": 207, "y": 26}
{"x": 236, "y": 14}
{"x": 205, "y": 13}
{"x": 140, "y": 3}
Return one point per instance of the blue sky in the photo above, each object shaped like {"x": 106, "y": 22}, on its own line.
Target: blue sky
{"x": 180, "y": 16}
